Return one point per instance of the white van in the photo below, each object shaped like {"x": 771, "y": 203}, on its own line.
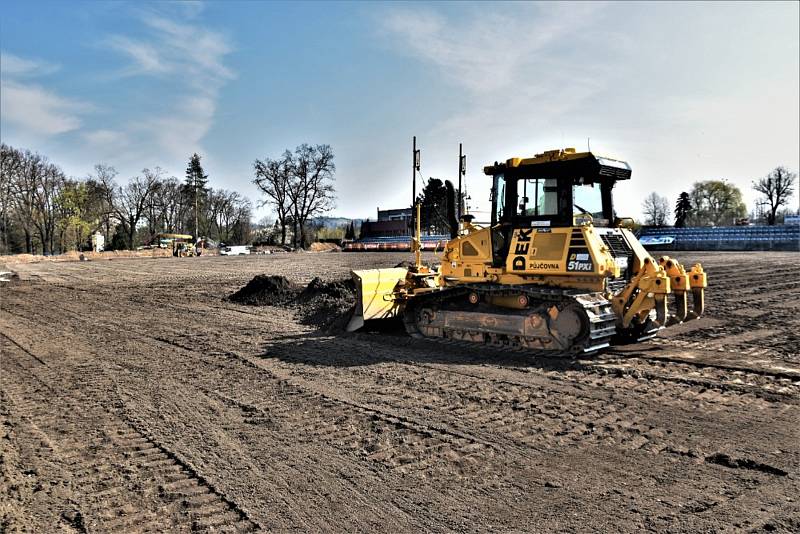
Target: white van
{"x": 236, "y": 250}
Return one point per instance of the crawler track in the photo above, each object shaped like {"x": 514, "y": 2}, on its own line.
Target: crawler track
{"x": 592, "y": 311}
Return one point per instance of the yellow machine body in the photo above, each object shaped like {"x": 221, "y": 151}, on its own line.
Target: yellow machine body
{"x": 538, "y": 282}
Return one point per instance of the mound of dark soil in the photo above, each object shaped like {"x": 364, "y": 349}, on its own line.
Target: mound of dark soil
{"x": 266, "y": 291}
{"x": 327, "y": 305}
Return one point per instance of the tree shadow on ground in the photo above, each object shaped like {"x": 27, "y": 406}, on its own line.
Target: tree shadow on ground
{"x": 388, "y": 342}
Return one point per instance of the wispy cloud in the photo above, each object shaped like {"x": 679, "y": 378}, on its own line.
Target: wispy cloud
{"x": 514, "y": 73}
{"x": 104, "y": 138}
{"x": 501, "y": 60}
{"x": 192, "y": 47}
{"x": 145, "y": 58}
{"x": 31, "y": 108}
{"x": 189, "y": 56}
{"x": 14, "y": 66}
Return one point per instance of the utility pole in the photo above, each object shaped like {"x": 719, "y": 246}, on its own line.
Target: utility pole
{"x": 462, "y": 171}
{"x": 195, "y": 210}
{"x": 415, "y": 166}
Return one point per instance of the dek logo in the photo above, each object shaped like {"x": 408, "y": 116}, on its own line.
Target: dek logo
{"x": 521, "y": 249}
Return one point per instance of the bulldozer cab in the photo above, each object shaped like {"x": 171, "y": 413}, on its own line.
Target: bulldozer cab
{"x": 558, "y": 188}
{"x": 551, "y": 188}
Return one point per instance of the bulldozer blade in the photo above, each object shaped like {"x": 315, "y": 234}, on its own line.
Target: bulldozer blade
{"x": 375, "y": 295}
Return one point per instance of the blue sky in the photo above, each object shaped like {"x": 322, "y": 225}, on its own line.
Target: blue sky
{"x": 682, "y": 91}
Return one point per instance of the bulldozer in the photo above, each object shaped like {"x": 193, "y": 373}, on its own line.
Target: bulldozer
{"x": 555, "y": 270}
{"x": 182, "y": 244}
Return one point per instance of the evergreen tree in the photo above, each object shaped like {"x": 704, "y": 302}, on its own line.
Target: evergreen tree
{"x": 682, "y": 209}
{"x": 433, "y": 207}
{"x": 350, "y": 233}
{"x": 196, "y": 189}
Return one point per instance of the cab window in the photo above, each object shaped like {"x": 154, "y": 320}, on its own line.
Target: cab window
{"x": 500, "y": 192}
{"x": 587, "y": 198}
{"x": 537, "y": 197}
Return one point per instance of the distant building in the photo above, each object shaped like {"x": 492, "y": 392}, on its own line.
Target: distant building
{"x": 98, "y": 242}
{"x": 403, "y": 214}
{"x": 390, "y": 223}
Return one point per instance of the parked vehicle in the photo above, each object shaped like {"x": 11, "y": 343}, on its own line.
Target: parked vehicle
{"x": 235, "y": 250}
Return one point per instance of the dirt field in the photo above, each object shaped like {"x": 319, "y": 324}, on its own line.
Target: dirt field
{"x": 133, "y": 398}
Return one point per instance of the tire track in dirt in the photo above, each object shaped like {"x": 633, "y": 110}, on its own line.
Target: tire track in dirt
{"x": 519, "y": 408}
{"x": 596, "y": 424}
{"x": 519, "y": 425}
{"x": 405, "y": 446}
{"x": 122, "y": 479}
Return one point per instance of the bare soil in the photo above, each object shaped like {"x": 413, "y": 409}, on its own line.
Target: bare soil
{"x": 134, "y": 397}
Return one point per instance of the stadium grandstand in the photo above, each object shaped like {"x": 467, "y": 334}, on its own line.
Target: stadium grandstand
{"x": 779, "y": 237}
{"x": 396, "y": 243}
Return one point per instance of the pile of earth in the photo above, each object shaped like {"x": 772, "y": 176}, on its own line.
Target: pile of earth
{"x": 326, "y": 305}
{"x": 266, "y": 290}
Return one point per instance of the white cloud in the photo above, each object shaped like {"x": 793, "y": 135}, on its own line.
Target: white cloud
{"x": 31, "y": 109}
{"x": 515, "y": 72}
{"x": 37, "y": 110}
{"x": 146, "y": 59}
{"x": 180, "y": 133}
{"x": 520, "y": 66}
{"x": 487, "y": 52}
{"x": 188, "y": 56}
{"x": 14, "y": 66}
{"x": 106, "y": 138}
{"x": 192, "y": 46}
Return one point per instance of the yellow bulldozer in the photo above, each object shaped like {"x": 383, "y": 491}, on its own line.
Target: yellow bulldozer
{"x": 182, "y": 245}
{"x": 556, "y": 270}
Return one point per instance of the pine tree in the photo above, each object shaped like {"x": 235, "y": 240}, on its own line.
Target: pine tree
{"x": 195, "y": 187}
{"x": 682, "y": 209}
{"x": 350, "y": 233}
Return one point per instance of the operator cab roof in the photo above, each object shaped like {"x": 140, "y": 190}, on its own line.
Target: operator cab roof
{"x": 565, "y": 164}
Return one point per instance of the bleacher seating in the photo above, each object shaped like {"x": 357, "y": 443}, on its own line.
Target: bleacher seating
{"x": 779, "y": 237}
{"x": 398, "y": 243}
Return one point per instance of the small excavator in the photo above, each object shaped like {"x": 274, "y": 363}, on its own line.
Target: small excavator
{"x": 555, "y": 271}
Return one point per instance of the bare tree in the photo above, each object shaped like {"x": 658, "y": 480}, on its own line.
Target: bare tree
{"x": 132, "y": 200}
{"x": 10, "y": 162}
{"x": 656, "y": 209}
{"x": 49, "y": 184}
{"x": 234, "y": 212}
{"x": 103, "y": 181}
{"x": 23, "y": 167}
{"x": 274, "y": 178}
{"x": 777, "y": 187}
{"x": 311, "y": 191}
{"x": 34, "y": 187}
{"x": 172, "y": 204}
{"x": 153, "y": 211}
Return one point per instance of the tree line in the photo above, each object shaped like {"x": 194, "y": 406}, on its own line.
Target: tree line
{"x": 44, "y": 211}
{"x": 719, "y": 203}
